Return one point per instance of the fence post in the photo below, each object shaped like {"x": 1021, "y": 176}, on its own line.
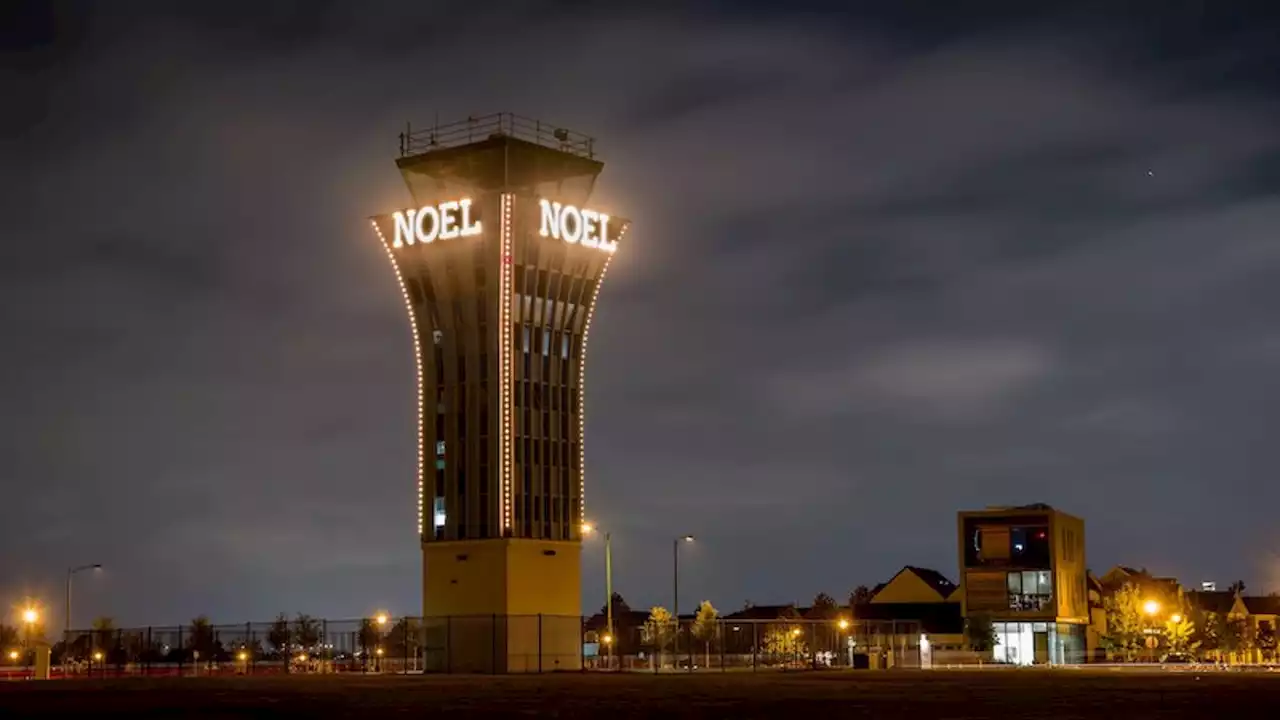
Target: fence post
{"x": 723, "y": 638}
{"x": 581, "y": 659}
{"x": 688, "y": 644}
{"x": 755, "y": 644}
{"x": 813, "y": 646}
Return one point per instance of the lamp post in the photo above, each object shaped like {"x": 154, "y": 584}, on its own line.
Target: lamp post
{"x": 1151, "y": 608}
{"x": 675, "y": 590}
{"x": 66, "y": 619}
{"x": 587, "y": 529}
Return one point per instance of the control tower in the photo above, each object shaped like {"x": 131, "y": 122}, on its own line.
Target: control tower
{"x": 500, "y": 259}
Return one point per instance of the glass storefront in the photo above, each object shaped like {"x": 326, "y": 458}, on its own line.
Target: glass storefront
{"x": 1038, "y": 643}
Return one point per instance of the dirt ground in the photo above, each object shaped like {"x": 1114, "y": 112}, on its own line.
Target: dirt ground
{"x": 1002, "y": 695}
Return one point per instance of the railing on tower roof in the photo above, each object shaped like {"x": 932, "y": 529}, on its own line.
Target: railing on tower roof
{"x": 474, "y": 129}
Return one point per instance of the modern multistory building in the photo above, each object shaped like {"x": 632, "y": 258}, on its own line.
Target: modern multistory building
{"x": 500, "y": 261}
{"x": 1023, "y": 570}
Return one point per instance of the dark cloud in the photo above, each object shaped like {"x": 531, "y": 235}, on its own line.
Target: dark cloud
{"x": 885, "y": 266}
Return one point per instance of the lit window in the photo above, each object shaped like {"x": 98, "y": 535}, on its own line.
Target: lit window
{"x": 439, "y": 513}
{"x": 439, "y": 448}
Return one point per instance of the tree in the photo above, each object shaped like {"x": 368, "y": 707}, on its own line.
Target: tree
{"x": 1267, "y": 641}
{"x": 861, "y": 595}
{"x": 1236, "y": 587}
{"x": 705, "y": 627}
{"x": 1180, "y": 635}
{"x": 620, "y": 606}
{"x": 104, "y": 635}
{"x": 10, "y": 638}
{"x": 1237, "y": 637}
{"x": 306, "y": 631}
{"x": 1126, "y": 623}
{"x": 404, "y": 639}
{"x": 783, "y": 641}
{"x": 1207, "y": 634}
{"x": 980, "y": 634}
{"x": 657, "y": 629}
{"x": 201, "y": 638}
{"x": 824, "y": 607}
{"x": 281, "y": 637}
{"x": 369, "y": 637}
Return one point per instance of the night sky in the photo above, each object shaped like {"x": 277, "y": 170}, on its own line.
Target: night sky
{"x": 886, "y": 265}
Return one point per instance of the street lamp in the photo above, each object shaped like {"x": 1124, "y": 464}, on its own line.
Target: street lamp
{"x": 675, "y": 574}
{"x": 1176, "y": 618}
{"x": 1151, "y": 608}
{"x": 843, "y": 624}
{"x": 381, "y": 619}
{"x": 30, "y": 616}
{"x": 675, "y": 592}
{"x": 66, "y": 620}
{"x": 587, "y": 529}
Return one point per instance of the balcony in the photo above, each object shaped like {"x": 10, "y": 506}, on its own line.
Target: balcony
{"x": 1030, "y": 603}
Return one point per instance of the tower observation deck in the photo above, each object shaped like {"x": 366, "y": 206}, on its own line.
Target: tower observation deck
{"x": 500, "y": 261}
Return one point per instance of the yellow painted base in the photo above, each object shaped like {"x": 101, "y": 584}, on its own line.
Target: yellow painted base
{"x": 503, "y": 605}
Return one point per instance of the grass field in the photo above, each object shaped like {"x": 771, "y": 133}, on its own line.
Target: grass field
{"x": 1006, "y": 695}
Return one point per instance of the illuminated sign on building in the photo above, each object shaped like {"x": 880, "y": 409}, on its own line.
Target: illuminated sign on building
{"x": 445, "y": 221}
{"x": 576, "y": 226}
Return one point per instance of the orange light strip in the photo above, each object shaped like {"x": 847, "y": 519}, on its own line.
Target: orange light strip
{"x": 582, "y": 390}
{"x": 417, "y": 361}
{"x": 506, "y": 358}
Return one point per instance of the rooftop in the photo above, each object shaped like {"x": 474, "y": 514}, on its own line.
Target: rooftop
{"x": 420, "y": 141}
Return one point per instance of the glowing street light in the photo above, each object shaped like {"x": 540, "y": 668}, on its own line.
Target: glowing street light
{"x": 242, "y": 656}
{"x": 1176, "y": 618}
{"x": 97, "y": 656}
{"x": 1151, "y": 607}
{"x": 381, "y": 619}
{"x": 675, "y": 585}
{"x": 843, "y": 623}
{"x": 31, "y": 616}
{"x": 13, "y": 655}
{"x": 607, "y": 639}
{"x": 795, "y": 632}
{"x": 378, "y": 652}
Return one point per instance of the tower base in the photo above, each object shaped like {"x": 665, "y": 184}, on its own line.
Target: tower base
{"x": 508, "y": 605}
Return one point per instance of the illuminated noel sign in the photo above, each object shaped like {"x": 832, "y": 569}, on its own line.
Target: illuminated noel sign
{"x": 576, "y": 226}
{"x": 428, "y": 223}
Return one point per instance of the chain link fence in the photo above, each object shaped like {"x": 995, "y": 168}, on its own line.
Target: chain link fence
{"x": 481, "y": 644}
{"x": 754, "y": 645}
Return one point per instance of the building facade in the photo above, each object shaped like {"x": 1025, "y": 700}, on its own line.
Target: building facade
{"x": 1023, "y": 569}
{"x": 500, "y": 263}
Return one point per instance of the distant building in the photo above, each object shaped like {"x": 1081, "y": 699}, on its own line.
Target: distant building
{"x": 920, "y": 595}
{"x": 1117, "y": 577}
{"x": 915, "y": 585}
{"x": 1024, "y": 569}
